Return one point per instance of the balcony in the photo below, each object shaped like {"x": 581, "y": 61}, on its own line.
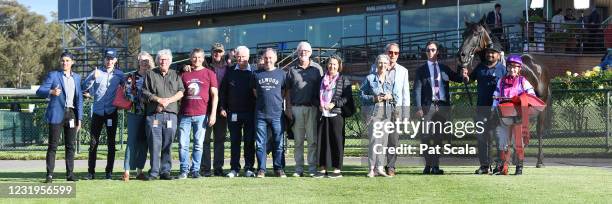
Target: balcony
{"x": 139, "y": 9}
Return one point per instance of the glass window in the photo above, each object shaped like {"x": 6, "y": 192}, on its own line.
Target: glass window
{"x": 320, "y": 32}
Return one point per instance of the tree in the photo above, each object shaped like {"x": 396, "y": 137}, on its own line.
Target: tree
{"x": 28, "y": 45}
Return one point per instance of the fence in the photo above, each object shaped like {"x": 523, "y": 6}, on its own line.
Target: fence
{"x": 567, "y": 38}
{"x": 580, "y": 120}
{"x": 143, "y": 9}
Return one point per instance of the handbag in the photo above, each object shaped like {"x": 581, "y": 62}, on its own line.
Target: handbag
{"x": 120, "y": 100}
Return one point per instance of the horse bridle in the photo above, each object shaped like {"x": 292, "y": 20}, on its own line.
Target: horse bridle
{"x": 480, "y": 44}
{"x": 471, "y": 54}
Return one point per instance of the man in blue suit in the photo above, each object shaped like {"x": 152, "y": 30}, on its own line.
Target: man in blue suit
{"x": 64, "y": 112}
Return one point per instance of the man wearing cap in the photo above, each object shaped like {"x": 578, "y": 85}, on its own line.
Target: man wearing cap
{"x": 487, "y": 73}
{"x": 102, "y": 83}
{"x": 219, "y": 66}
{"x": 304, "y": 79}
{"x": 64, "y": 112}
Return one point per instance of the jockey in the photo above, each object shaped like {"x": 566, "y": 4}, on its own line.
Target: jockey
{"x": 513, "y": 84}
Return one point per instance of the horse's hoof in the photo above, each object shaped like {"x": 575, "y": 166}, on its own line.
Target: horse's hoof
{"x": 539, "y": 165}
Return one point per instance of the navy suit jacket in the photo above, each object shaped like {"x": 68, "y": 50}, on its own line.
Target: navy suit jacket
{"x": 422, "y": 84}
{"x": 57, "y": 104}
{"x": 491, "y": 19}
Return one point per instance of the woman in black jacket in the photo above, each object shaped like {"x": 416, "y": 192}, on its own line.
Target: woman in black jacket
{"x": 334, "y": 93}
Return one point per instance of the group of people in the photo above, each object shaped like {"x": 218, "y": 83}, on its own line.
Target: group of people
{"x": 257, "y": 103}
{"x": 385, "y": 98}
{"x": 204, "y": 100}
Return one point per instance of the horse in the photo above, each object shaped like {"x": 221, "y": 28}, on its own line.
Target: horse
{"x": 476, "y": 38}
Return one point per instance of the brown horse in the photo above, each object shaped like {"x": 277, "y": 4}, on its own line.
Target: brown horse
{"x": 476, "y": 38}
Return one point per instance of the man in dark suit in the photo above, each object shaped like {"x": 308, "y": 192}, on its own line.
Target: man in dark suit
{"x": 495, "y": 22}
{"x": 154, "y": 7}
{"x": 433, "y": 102}
{"x": 64, "y": 112}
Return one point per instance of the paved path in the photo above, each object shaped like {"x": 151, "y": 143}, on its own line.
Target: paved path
{"x": 39, "y": 165}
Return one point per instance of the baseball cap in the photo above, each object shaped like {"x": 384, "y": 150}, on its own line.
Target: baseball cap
{"x": 217, "y": 46}
{"x": 110, "y": 53}
{"x": 493, "y": 47}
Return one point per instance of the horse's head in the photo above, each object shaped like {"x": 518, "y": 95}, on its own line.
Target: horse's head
{"x": 475, "y": 39}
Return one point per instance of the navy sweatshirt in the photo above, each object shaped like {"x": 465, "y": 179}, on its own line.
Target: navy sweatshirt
{"x": 237, "y": 91}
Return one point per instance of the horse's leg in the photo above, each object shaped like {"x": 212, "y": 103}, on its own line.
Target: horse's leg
{"x": 540, "y": 132}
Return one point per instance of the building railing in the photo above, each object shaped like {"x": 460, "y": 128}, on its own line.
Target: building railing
{"x": 565, "y": 38}
{"x": 136, "y": 9}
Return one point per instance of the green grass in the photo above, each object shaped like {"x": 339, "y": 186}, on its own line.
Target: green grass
{"x": 459, "y": 185}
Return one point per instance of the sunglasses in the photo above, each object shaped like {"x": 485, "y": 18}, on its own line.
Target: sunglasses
{"x": 393, "y": 53}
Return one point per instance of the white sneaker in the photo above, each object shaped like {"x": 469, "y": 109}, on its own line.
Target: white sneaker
{"x": 381, "y": 172}
{"x": 298, "y": 174}
{"x": 249, "y": 173}
{"x": 371, "y": 174}
{"x": 232, "y": 174}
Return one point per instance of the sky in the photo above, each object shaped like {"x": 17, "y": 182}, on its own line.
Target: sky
{"x": 42, "y": 7}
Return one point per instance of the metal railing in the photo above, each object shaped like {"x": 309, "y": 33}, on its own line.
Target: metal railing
{"x": 143, "y": 9}
{"x": 565, "y": 38}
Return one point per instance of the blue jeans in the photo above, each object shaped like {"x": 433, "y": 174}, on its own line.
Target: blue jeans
{"x": 186, "y": 123}
{"x": 136, "y": 151}
{"x": 161, "y": 128}
{"x": 243, "y": 129}
{"x": 262, "y": 125}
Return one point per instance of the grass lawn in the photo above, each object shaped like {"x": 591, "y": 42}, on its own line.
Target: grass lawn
{"x": 545, "y": 185}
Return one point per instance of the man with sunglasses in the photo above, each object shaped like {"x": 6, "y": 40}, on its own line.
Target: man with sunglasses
{"x": 433, "y": 103}
{"x": 397, "y": 75}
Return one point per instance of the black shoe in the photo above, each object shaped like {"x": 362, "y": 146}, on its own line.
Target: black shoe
{"x": 427, "y": 170}
{"x": 166, "y": 176}
{"x": 71, "y": 177}
{"x": 108, "y": 176}
{"x": 195, "y": 175}
{"x": 482, "y": 170}
{"x": 205, "y": 173}
{"x": 219, "y": 172}
{"x": 90, "y": 176}
{"x": 49, "y": 179}
{"x": 519, "y": 170}
{"x": 280, "y": 173}
{"x": 150, "y": 178}
{"x": 437, "y": 171}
